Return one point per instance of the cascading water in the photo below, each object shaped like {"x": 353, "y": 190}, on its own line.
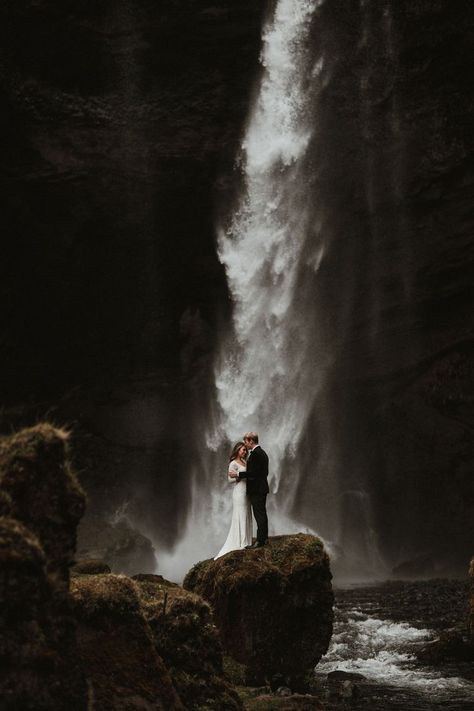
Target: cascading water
{"x": 269, "y": 370}
{"x": 265, "y": 379}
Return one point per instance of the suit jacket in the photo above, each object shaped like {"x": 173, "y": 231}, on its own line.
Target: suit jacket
{"x": 257, "y": 472}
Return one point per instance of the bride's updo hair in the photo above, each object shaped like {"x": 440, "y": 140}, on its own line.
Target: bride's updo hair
{"x": 235, "y": 450}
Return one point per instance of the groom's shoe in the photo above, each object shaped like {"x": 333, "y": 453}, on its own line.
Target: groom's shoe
{"x": 257, "y": 544}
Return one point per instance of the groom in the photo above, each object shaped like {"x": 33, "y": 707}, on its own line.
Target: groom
{"x": 257, "y": 485}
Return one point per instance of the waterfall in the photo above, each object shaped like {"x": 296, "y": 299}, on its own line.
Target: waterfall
{"x": 266, "y": 377}
{"x": 269, "y": 368}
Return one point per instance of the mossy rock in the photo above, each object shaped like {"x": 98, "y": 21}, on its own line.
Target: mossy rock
{"x": 188, "y": 642}
{"x": 36, "y": 475}
{"x": 116, "y": 646}
{"x": 37, "y": 667}
{"x": 90, "y": 566}
{"x": 272, "y": 605}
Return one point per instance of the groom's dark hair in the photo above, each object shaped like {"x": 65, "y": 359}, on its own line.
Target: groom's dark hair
{"x": 252, "y": 436}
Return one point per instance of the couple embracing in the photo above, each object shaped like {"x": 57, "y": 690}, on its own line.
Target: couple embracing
{"x": 248, "y": 472}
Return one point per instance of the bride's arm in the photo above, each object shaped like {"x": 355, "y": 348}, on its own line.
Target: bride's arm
{"x": 233, "y": 472}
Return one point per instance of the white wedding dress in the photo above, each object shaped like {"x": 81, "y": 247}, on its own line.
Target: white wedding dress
{"x": 240, "y": 534}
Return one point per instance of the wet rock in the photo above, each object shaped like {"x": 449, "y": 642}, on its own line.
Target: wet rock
{"x": 450, "y": 646}
{"x": 33, "y": 671}
{"x": 90, "y": 566}
{"x": 272, "y": 605}
{"x": 421, "y": 567}
{"x": 187, "y": 640}
{"x": 116, "y": 647}
{"x": 340, "y": 675}
{"x": 35, "y": 472}
{"x": 119, "y": 545}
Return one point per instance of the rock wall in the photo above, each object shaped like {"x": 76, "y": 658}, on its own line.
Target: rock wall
{"x": 118, "y": 121}
{"x": 393, "y": 157}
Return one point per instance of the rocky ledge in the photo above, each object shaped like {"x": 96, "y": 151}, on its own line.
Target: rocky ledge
{"x": 272, "y": 605}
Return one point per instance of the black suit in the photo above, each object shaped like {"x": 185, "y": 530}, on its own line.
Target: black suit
{"x": 257, "y": 489}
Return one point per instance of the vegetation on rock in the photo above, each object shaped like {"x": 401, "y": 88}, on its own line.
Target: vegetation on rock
{"x": 272, "y": 605}
{"x": 41, "y": 495}
{"x": 186, "y": 638}
{"x": 116, "y": 646}
{"x": 36, "y": 474}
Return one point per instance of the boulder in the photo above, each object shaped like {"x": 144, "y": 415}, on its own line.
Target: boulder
{"x": 90, "y": 566}
{"x": 35, "y": 668}
{"x": 272, "y": 605}
{"x": 40, "y": 491}
{"x": 449, "y": 646}
{"x": 187, "y": 640}
{"x": 116, "y": 647}
{"x": 119, "y": 545}
{"x": 36, "y": 475}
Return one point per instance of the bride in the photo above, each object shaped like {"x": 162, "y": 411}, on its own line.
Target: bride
{"x": 240, "y": 534}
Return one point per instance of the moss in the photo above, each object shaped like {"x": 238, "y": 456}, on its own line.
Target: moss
{"x": 38, "y": 668}
{"x": 89, "y": 566}
{"x": 104, "y": 597}
{"x": 186, "y": 638}
{"x": 116, "y": 646}
{"x": 45, "y": 495}
{"x": 273, "y": 605}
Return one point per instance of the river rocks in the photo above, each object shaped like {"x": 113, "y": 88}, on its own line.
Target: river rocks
{"x": 187, "y": 640}
{"x": 450, "y": 646}
{"x": 116, "y": 647}
{"x": 35, "y": 472}
{"x": 272, "y": 605}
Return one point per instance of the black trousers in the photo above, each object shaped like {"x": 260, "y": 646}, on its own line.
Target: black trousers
{"x": 259, "y": 508}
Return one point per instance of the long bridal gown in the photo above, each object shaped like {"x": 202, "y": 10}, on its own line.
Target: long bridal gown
{"x": 240, "y": 533}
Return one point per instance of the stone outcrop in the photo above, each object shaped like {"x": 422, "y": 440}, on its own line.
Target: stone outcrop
{"x": 41, "y": 495}
{"x": 273, "y": 605}
{"x": 28, "y": 651}
{"x": 36, "y": 474}
{"x": 187, "y": 640}
{"x": 116, "y": 647}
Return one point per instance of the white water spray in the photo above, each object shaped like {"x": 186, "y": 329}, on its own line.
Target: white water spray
{"x": 265, "y": 378}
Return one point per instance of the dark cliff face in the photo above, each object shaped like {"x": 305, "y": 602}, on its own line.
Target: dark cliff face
{"x": 394, "y": 157}
{"x": 120, "y": 122}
